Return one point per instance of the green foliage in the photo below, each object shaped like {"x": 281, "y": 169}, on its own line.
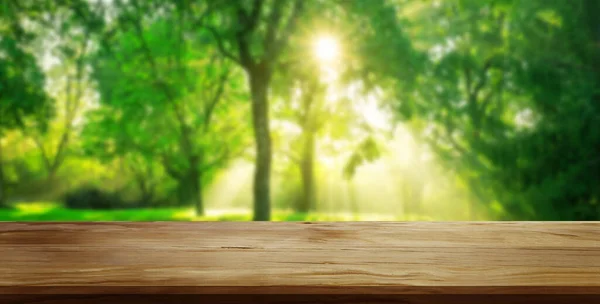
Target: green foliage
{"x": 503, "y": 93}
{"x": 382, "y": 49}
{"x": 367, "y": 151}
{"x": 21, "y": 80}
{"x": 504, "y": 100}
{"x": 165, "y": 98}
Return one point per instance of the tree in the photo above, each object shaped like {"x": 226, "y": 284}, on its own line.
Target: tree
{"x": 302, "y": 100}
{"x": 559, "y": 67}
{"x": 383, "y": 62}
{"x": 460, "y": 86}
{"x": 254, "y": 37}
{"x": 303, "y": 110}
{"x": 110, "y": 136}
{"x": 21, "y": 80}
{"x": 502, "y": 83}
{"x": 69, "y": 86}
{"x": 147, "y": 63}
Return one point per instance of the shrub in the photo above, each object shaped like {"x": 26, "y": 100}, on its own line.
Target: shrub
{"x": 92, "y": 198}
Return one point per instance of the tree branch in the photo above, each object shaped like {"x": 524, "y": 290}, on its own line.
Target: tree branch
{"x": 72, "y": 108}
{"x": 246, "y": 59}
{"x": 486, "y": 101}
{"x": 215, "y": 99}
{"x": 217, "y": 161}
{"x": 200, "y": 20}
{"x": 482, "y": 80}
{"x": 278, "y": 44}
{"x": 248, "y": 24}
{"x": 468, "y": 81}
{"x": 250, "y": 21}
{"x": 176, "y": 174}
{"x": 185, "y": 132}
{"x": 221, "y": 46}
{"x": 40, "y": 146}
{"x": 136, "y": 22}
{"x": 272, "y": 25}
{"x": 473, "y": 93}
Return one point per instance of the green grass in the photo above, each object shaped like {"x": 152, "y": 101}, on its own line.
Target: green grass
{"x": 54, "y": 212}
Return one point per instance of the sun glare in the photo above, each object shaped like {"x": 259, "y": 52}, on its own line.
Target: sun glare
{"x": 326, "y": 49}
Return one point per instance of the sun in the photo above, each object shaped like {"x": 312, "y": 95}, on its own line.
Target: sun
{"x": 326, "y": 49}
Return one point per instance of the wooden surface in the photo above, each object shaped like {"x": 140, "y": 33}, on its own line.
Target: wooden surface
{"x": 301, "y": 258}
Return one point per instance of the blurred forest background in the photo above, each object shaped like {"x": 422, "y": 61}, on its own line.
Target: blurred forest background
{"x": 299, "y": 110}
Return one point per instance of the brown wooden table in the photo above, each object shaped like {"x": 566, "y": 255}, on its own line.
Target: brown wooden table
{"x": 414, "y": 262}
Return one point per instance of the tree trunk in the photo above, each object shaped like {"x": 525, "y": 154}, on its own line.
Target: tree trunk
{"x": 195, "y": 190}
{"x": 417, "y": 196}
{"x": 2, "y": 191}
{"x": 199, "y": 199}
{"x": 478, "y": 196}
{"x": 412, "y": 189}
{"x": 353, "y": 198}
{"x": 2, "y": 183}
{"x": 259, "y": 83}
{"x": 53, "y": 170}
{"x": 190, "y": 191}
{"x": 406, "y": 197}
{"x": 146, "y": 190}
{"x": 307, "y": 164}
{"x": 195, "y": 185}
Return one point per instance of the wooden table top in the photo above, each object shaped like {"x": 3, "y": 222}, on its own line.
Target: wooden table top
{"x": 298, "y": 257}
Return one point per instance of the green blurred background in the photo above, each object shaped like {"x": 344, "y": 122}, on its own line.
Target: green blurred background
{"x": 294, "y": 110}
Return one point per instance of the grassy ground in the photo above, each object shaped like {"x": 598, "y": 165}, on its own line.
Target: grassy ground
{"x": 53, "y": 212}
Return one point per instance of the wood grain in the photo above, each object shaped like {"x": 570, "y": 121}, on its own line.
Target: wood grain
{"x": 301, "y": 258}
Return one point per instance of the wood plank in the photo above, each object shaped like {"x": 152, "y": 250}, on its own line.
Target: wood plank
{"x": 301, "y": 258}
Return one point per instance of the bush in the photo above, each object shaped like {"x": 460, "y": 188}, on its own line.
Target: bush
{"x": 93, "y": 198}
